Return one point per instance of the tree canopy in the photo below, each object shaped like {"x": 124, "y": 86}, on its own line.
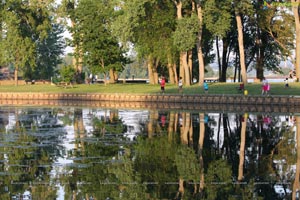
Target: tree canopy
{"x": 249, "y": 35}
{"x": 25, "y": 25}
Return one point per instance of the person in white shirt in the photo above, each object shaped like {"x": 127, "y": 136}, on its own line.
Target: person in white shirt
{"x": 286, "y": 82}
{"x": 180, "y": 85}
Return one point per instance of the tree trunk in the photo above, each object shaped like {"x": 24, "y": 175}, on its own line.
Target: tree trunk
{"x": 295, "y": 4}
{"x": 180, "y": 189}
{"x": 235, "y": 68}
{"x": 154, "y": 70}
{"x": 242, "y": 148}
{"x": 16, "y": 74}
{"x": 77, "y": 60}
{"x": 150, "y": 70}
{"x": 116, "y": 76}
{"x": 185, "y": 128}
{"x": 241, "y": 47}
{"x": 199, "y": 45}
{"x": 190, "y": 64}
{"x": 200, "y": 148}
{"x": 112, "y": 77}
{"x": 218, "y": 57}
{"x": 187, "y": 76}
{"x": 179, "y": 8}
{"x": 172, "y": 74}
{"x": 191, "y": 141}
{"x": 259, "y": 64}
{"x": 171, "y": 126}
{"x": 79, "y": 128}
{"x": 259, "y": 56}
{"x": 224, "y": 60}
{"x": 261, "y": 42}
{"x": 176, "y": 122}
{"x": 183, "y": 68}
{"x": 153, "y": 119}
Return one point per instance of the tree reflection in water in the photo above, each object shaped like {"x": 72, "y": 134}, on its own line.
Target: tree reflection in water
{"x": 83, "y": 153}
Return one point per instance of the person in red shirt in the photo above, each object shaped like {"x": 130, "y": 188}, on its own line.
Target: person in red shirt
{"x": 162, "y": 84}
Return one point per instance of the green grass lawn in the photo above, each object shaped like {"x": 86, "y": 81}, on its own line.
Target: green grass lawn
{"x": 214, "y": 88}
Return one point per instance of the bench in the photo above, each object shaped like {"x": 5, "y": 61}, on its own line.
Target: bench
{"x": 211, "y": 80}
{"x": 27, "y": 81}
{"x": 64, "y": 84}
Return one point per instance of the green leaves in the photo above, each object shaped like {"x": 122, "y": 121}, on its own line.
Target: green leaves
{"x": 24, "y": 27}
{"x": 67, "y": 73}
{"x": 185, "y": 34}
{"x": 149, "y": 25}
{"x": 93, "y": 37}
{"x": 218, "y": 16}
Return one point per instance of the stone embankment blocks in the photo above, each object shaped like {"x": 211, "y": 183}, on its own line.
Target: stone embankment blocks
{"x": 274, "y": 103}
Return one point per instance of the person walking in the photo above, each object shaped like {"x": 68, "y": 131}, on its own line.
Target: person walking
{"x": 162, "y": 85}
{"x": 205, "y": 87}
{"x": 264, "y": 87}
{"x": 268, "y": 88}
{"x": 286, "y": 82}
{"x": 180, "y": 85}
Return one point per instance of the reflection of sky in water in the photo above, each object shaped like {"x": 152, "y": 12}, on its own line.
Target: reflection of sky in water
{"x": 62, "y": 161}
{"x": 11, "y": 122}
{"x": 130, "y": 118}
{"x": 88, "y": 115}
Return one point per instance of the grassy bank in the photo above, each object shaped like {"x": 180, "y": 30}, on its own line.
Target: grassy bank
{"x": 214, "y": 88}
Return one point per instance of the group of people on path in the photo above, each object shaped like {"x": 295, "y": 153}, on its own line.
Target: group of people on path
{"x": 264, "y": 91}
{"x": 180, "y": 85}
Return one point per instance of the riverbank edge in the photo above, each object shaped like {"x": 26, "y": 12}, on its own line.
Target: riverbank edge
{"x": 254, "y": 103}
{"x": 171, "y": 98}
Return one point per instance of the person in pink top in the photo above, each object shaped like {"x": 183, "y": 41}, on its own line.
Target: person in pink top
{"x": 268, "y": 88}
{"x": 264, "y": 89}
{"x": 162, "y": 84}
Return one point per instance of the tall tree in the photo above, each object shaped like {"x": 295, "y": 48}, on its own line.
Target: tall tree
{"x": 92, "y": 33}
{"x": 273, "y": 37}
{"x": 240, "y": 8}
{"x": 199, "y": 11}
{"x": 185, "y": 37}
{"x": 48, "y": 55}
{"x": 148, "y": 25}
{"x": 218, "y": 20}
{"x": 187, "y": 29}
{"x": 23, "y": 24}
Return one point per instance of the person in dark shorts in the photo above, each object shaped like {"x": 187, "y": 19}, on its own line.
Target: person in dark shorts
{"x": 180, "y": 85}
{"x": 205, "y": 87}
{"x": 286, "y": 82}
{"x": 162, "y": 84}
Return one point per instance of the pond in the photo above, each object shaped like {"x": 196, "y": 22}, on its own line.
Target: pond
{"x": 101, "y": 153}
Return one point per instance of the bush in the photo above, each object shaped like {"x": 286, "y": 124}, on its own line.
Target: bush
{"x": 67, "y": 73}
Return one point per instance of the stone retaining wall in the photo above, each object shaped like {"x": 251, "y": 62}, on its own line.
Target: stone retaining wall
{"x": 168, "y": 101}
{"x": 166, "y": 98}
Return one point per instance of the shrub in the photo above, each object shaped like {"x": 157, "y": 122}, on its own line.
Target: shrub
{"x": 67, "y": 73}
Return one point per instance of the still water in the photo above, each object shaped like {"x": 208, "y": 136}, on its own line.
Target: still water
{"x": 100, "y": 153}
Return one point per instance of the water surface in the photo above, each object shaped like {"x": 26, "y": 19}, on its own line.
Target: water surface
{"x": 101, "y": 153}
